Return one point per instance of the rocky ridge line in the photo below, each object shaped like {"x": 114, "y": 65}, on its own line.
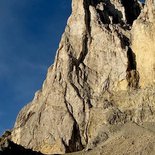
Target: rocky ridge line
{"x": 99, "y": 79}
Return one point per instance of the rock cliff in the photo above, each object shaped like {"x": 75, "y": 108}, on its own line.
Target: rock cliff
{"x": 143, "y": 44}
{"x": 102, "y": 82}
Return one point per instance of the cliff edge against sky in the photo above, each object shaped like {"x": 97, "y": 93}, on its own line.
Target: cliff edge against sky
{"x": 98, "y": 96}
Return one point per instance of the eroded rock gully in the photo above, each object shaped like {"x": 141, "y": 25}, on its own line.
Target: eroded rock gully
{"x": 98, "y": 82}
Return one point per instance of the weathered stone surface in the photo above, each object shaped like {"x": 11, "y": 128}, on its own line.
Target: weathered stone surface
{"x": 98, "y": 82}
{"x": 130, "y": 139}
{"x": 143, "y": 44}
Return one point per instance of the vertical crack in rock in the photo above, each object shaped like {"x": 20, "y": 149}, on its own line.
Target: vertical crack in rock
{"x": 132, "y": 73}
{"x": 86, "y": 4}
{"x": 75, "y": 143}
{"x": 84, "y": 49}
{"x": 132, "y": 65}
{"x": 85, "y": 45}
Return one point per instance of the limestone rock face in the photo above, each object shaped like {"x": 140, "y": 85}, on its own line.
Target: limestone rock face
{"x": 130, "y": 139}
{"x": 102, "y": 61}
{"x": 143, "y": 44}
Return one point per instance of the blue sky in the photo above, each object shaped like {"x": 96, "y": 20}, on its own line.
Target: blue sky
{"x": 30, "y": 31}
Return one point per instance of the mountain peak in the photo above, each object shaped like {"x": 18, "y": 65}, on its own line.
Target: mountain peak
{"x": 98, "y": 83}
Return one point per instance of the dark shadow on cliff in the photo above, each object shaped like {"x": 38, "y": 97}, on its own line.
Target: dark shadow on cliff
{"x": 132, "y": 73}
{"x": 109, "y": 15}
{"x": 132, "y": 10}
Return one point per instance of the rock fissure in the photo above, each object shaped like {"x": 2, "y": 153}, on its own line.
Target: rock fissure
{"x": 75, "y": 140}
{"x": 86, "y": 4}
{"x": 100, "y": 85}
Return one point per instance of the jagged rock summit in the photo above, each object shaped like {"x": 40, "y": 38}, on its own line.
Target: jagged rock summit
{"x": 100, "y": 86}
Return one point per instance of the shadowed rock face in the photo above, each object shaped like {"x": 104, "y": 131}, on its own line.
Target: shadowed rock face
{"x": 99, "y": 79}
{"x": 7, "y": 147}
